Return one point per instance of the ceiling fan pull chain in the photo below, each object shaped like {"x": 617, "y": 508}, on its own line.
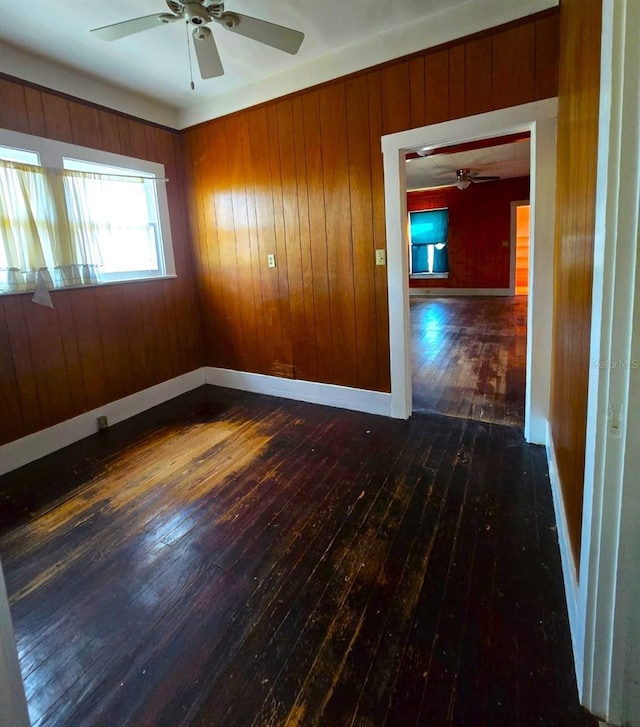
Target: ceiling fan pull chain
{"x": 193, "y": 85}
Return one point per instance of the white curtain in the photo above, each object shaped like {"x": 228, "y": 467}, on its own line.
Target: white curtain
{"x": 53, "y": 222}
{"x": 26, "y": 226}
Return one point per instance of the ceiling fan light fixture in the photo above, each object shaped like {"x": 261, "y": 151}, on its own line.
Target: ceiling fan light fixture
{"x": 463, "y": 183}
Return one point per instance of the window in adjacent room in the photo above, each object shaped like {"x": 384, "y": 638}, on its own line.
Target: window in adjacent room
{"x": 428, "y": 235}
{"x": 73, "y": 216}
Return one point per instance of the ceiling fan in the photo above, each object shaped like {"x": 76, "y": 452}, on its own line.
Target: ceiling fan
{"x": 465, "y": 177}
{"x": 198, "y": 14}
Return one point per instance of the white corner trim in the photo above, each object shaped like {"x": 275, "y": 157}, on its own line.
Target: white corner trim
{"x": 453, "y": 22}
{"x": 569, "y": 572}
{"x": 39, "y": 444}
{"x": 342, "y": 397}
{"x": 444, "y": 292}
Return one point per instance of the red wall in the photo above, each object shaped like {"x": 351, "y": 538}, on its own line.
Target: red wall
{"x": 479, "y": 221}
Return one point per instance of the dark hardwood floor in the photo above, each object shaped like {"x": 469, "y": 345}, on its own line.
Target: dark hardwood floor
{"x": 233, "y": 559}
{"x": 469, "y": 357}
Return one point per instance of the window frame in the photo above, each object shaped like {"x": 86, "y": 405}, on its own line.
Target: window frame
{"x": 52, "y": 153}
{"x": 423, "y": 276}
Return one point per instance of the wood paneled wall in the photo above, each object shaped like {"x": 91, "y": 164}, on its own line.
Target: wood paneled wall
{"x": 580, "y": 30}
{"x": 301, "y": 177}
{"x": 97, "y": 344}
{"x": 479, "y": 223}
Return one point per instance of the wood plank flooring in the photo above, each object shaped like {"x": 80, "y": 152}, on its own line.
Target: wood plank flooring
{"x": 233, "y": 559}
{"x": 469, "y": 357}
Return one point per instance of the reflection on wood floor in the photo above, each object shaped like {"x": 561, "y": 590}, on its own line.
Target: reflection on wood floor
{"x": 234, "y": 559}
{"x": 469, "y": 357}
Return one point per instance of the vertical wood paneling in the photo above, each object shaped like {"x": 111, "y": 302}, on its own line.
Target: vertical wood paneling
{"x": 10, "y": 402}
{"x": 226, "y": 244}
{"x": 546, "y": 70}
{"x": 57, "y": 121}
{"x": 254, "y": 251}
{"x": 318, "y": 235}
{"x": 513, "y": 66}
{"x": 24, "y": 367}
{"x": 379, "y": 229}
{"x": 396, "y": 98}
{"x": 362, "y": 231}
{"x": 478, "y": 75}
{"x": 285, "y": 362}
{"x": 240, "y": 216}
{"x": 85, "y": 125}
{"x": 306, "y": 258}
{"x": 333, "y": 125}
{"x": 457, "y": 81}
{"x": 417, "y": 91}
{"x": 265, "y": 232}
{"x": 293, "y": 259}
{"x": 436, "y": 71}
{"x": 13, "y": 109}
{"x": 97, "y": 344}
{"x": 580, "y": 27}
{"x": 35, "y": 113}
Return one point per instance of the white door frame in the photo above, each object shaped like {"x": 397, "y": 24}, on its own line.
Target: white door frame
{"x": 607, "y": 629}
{"x": 513, "y": 242}
{"x": 538, "y": 118}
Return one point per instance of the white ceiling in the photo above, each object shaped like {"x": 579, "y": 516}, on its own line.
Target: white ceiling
{"x": 48, "y": 42}
{"x": 505, "y": 161}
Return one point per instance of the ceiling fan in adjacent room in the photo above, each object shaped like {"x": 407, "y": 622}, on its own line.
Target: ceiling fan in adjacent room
{"x": 199, "y": 14}
{"x": 465, "y": 177}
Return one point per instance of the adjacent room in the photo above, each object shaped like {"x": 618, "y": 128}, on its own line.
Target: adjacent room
{"x": 222, "y": 500}
{"x": 468, "y": 235}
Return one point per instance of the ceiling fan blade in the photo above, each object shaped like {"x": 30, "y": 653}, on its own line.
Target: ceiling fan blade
{"x": 136, "y": 25}
{"x": 277, "y": 36}
{"x": 484, "y": 179}
{"x": 207, "y": 53}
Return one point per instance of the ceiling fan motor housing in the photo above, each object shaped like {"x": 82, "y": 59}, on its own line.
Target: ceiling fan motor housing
{"x": 196, "y": 14}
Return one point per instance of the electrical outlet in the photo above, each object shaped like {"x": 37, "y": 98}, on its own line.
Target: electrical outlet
{"x": 103, "y": 423}
{"x": 381, "y": 257}
{"x": 271, "y": 260}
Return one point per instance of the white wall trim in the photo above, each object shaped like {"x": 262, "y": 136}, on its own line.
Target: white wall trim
{"x": 39, "y": 444}
{"x": 342, "y": 397}
{"x": 444, "y": 292}
{"x": 539, "y": 119}
{"x": 609, "y": 566}
{"x": 569, "y": 572}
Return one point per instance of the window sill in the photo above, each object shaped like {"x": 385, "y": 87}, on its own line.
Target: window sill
{"x": 428, "y": 276}
{"x": 150, "y": 279}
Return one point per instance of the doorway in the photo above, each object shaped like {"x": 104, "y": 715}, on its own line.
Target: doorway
{"x": 539, "y": 119}
{"x": 520, "y": 245}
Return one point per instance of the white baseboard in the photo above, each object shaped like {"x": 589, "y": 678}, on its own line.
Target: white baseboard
{"x": 569, "y": 571}
{"x": 442, "y": 292}
{"x": 46, "y": 441}
{"x": 39, "y": 444}
{"x": 342, "y": 397}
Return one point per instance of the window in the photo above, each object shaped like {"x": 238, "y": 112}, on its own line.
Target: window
{"x": 75, "y": 216}
{"x": 428, "y": 234}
